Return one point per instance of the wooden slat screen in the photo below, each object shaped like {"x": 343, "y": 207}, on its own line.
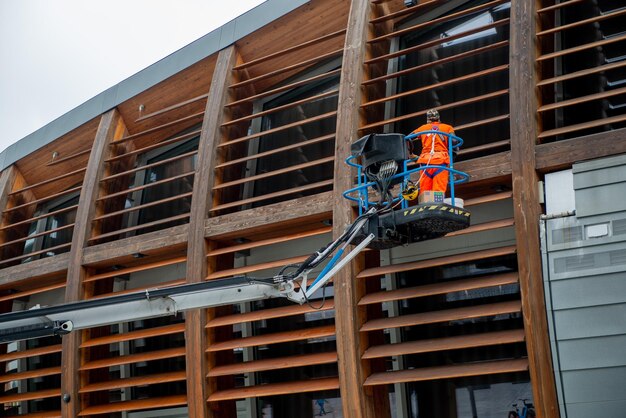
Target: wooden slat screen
{"x": 450, "y": 317}
{"x": 455, "y": 61}
{"x": 30, "y": 370}
{"x": 581, "y": 61}
{"x": 279, "y": 134}
{"x": 149, "y": 174}
{"x": 125, "y": 365}
{"x": 260, "y": 348}
{"x": 38, "y": 219}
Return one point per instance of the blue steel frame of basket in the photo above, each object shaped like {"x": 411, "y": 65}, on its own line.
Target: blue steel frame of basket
{"x": 362, "y": 188}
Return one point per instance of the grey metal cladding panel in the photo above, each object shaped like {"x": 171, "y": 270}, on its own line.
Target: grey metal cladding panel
{"x": 589, "y": 291}
{"x": 596, "y": 321}
{"x": 595, "y": 385}
{"x": 601, "y": 199}
{"x": 599, "y": 164}
{"x": 264, "y": 14}
{"x": 570, "y": 232}
{"x": 588, "y": 261}
{"x": 592, "y": 353}
{"x": 608, "y": 409}
{"x": 600, "y": 177}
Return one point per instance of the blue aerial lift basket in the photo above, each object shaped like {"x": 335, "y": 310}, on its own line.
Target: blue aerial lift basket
{"x": 382, "y": 162}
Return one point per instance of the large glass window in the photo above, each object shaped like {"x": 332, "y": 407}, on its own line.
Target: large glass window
{"x": 470, "y": 84}
{"x": 172, "y": 188}
{"x": 57, "y": 223}
{"x": 161, "y": 192}
{"x": 299, "y": 134}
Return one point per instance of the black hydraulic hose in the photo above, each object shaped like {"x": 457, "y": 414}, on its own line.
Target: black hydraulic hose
{"x": 311, "y": 261}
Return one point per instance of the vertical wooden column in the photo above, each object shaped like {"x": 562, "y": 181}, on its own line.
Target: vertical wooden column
{"x": 349, "y": 317}
{"x": 195, "y": 332}
{"x": 111, "y": 125}
{"x": 523, "y": 103}
{"x": 7, "y": 180}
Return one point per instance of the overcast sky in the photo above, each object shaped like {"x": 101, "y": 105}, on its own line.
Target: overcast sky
{"x": 57, "y": 54}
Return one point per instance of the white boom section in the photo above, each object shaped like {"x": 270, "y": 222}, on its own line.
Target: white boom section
{"x": 62, "y": 319}
{"x": 325, "y": 278}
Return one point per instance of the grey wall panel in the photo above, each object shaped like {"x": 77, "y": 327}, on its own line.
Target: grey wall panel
{"x": 584, "y": 268}
{"x": 579, "y": 262}
{"x": 595, "y": 321}
{"x": 597, "y": 183}
{"x": 599, "y": 163}
{"x": 591, "y": 353}
{"x": 571, "y": 232}
{"x": 600, "y": 177}
{"x": 599, "y": 200}
{"x": 609, "y": 409}
{"x": 589, "y": 291}
{"x": 595, "y": 385}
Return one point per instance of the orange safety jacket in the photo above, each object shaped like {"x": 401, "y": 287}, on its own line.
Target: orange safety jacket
{"x": 434, "y": 147}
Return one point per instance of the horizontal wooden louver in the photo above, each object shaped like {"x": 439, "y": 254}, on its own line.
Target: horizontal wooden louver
{"x": 274, "y": 364}
{"x": 135, "y": 381}
{"x": 16, "y": 355}
{"x": 271, "y": 313}
{"x": 31, "y": 374}
{"x": 476, "y": 255}
{"x": 440, "y": 288}
{"x": 136, "y": 405}
{"x": 134, "y": 358}
{"x": 134, "y": 335}
{"x": 447, "y": 372}
{"x": 24, "y": 293}
{"x": 274, "y": 389}
{"x": 444, "y": 316}
{"x": 47, "y": 414}
{"x": 29, "y": 396}
{"x": 256, "y": 267}
{"x": 441, "y": 344}
{"x": 275, "y": 338}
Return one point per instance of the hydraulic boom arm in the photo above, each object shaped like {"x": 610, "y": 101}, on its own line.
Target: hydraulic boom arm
{"x": 62, "y": 319}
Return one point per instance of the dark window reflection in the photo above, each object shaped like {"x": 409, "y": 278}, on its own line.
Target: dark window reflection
{"x": 55, "y": 223}
{"x": 457, "y": 79}
{"x": 299, "y": 134}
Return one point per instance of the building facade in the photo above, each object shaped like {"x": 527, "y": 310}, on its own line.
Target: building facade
{"x": 227, "y": 158}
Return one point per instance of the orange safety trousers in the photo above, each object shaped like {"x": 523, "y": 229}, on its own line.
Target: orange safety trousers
{"x": 435, "y": 179}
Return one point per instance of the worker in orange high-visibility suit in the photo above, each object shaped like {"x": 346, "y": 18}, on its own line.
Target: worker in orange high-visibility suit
{"x": 434, "y": 152}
